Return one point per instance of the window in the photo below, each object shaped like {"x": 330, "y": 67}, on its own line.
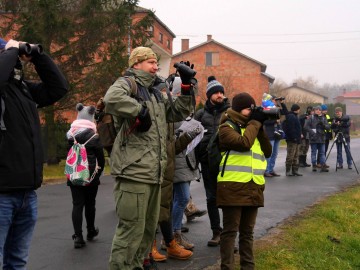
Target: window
{"x": 212, "y": 59}
{"x": 150, "y": 31}
{"x": 168, "y": 44}
{"x": 160, "y": 38}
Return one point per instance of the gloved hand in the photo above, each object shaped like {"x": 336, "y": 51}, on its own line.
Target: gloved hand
{"x": 193, "y": 133}
{"x": 144, "y": 119}
{"x": 258, "y": 116}
{"x": 186, "y": 73}
{"x": 12, "y": 43}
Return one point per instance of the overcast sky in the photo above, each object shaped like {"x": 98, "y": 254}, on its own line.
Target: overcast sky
{"x": 294, "y": 38}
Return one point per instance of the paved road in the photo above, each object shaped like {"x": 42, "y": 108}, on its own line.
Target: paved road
{"x": 52, "y": 246}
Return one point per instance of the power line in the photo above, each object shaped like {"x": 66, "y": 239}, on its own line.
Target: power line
{"x": 273, "y": 34}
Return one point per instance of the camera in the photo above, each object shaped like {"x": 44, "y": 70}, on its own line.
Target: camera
{"x": 30, "y": 49}
{"x": 270, "y": 113}
{"x": 186, "y": 70}
{"x": 279, "y": 98}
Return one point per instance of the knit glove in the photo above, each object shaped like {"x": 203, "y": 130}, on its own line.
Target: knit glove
{"x": 193, "y": 133}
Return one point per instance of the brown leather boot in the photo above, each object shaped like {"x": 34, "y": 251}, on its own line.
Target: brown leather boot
{"x": 157, "y": 256}
{"x": 177, "y": 252}
{"x": 324, "y": 169}
{"x": 215, "y": 240}
{"x": 182, "y": 241}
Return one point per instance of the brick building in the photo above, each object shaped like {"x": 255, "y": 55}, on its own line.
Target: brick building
{"x": 235, "y": 71}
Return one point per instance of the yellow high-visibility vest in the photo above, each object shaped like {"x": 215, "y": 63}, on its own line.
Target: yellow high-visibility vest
{"x": 244, "y": 166}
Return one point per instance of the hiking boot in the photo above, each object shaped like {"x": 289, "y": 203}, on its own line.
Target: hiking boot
{"x": 350, "y": 167}
{"x": 157, "y": 256}
{"x": 78, "y": 241}
{"x": 183, "y": 241}
{"x": 177, "y": 252}
{"x": 184, "y": 229}
{"x": 314, "y": 168}
{"x": 340, "y": 166}
{"x": 275, "y": 174}
{"x": 324, "y": 169}
{"x": 326, "y": 166}
{"x": 296, "y": 173}
{"x": 92, "y": 233}
{"x": 215, "y": 240}
{"x": 289, "y": 173}
{"x": 150, "y": 264}
{"x": 268, "y": 174}
{"x": 197, "y": 213}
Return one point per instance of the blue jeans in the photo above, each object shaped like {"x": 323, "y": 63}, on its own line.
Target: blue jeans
{"x": 18, "y": 214}
{"x": 272, "y": 159}
{"x": 317, "y": 147}
{"x": 180, "y": 200}
{"x": 339, "y": 157}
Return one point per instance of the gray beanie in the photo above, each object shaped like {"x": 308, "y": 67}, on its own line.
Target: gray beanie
{"x": 213, "y": 87}
{"x": 85, "y": 112}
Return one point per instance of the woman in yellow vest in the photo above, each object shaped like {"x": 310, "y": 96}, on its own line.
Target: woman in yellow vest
{"x": 241, "y": 183}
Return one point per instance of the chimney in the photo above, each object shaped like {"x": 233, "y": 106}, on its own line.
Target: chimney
{"x": 184, "y": 44}
{"x": 295, "y": 84}
{"x": 209, "y": 37}
{"x": 344, "y": 91}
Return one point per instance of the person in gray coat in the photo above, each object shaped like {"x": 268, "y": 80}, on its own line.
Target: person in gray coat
{"x": 316, "y": 126}
{"x": 186, "y": 170}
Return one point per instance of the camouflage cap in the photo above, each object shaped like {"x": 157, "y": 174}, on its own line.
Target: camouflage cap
{"x": 140, "y": 54}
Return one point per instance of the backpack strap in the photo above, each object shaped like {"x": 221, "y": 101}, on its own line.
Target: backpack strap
{"x": 132, "y": 84}
{"x": 89, "y": 139}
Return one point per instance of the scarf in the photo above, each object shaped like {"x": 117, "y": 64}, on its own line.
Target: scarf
{"x": 78, "y": 126}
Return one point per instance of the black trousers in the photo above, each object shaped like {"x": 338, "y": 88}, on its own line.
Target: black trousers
{"x": 83, "y": 197}
{"x": 210, "y": 184}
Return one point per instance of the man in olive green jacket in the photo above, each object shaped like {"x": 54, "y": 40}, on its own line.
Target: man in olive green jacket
{"x": 138, "y": 157}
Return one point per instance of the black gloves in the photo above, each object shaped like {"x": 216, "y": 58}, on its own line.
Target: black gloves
{"x": 193, "y": 133}
{"x": 144, "y": 120}
{"x": 258, "y": 116}
{"x": 186, "y": 72}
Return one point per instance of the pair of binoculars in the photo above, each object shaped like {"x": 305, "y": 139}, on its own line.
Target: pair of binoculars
{"x": 30, "y": 49}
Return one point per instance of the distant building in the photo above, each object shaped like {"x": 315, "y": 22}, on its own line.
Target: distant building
{"x": 237, "y": 72}
{"x": 297, "y": 94}
{"x": 351, "y": 100}
{"x": 161, "y": 42}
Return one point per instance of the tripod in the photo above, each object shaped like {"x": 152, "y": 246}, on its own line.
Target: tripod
{"x": 347, "y": 150}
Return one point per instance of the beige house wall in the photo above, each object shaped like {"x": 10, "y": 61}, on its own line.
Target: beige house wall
{"x": 297, "y": 95}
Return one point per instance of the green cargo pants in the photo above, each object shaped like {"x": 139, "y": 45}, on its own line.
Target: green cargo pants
{"x": 137, "y": 207}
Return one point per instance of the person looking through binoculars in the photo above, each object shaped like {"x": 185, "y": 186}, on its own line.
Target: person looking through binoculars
{"x": 341, "y": 126}
{"x": 21, "y": 152}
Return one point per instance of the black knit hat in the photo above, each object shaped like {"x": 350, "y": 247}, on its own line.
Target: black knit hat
{"x": 295, "y": 107}
{"x": 213, "y": 87}
{"x": 242, "y": 101}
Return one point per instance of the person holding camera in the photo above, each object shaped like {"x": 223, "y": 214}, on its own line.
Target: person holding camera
{"x": 21, "y": 151}
{"x": 138, "y": 158}
{"x": 274, "y": 132}
{"x": 316, "y": 126}
{"x": 240, "y": 188}
{"x": 209, "y": 117}
{"x": 293, "y": 140}
{"x": 341, "y": 126}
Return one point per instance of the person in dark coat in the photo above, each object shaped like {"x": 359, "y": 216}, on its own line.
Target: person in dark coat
{"x": 293, "y": 140}
{"x": 305, "y": 143}
{"x": 316, "y": 126}
{"x": 21, "y": 150}
{"x": 209, "y": 117}
{"x": 83, "y": 130}
{"x": 240, "y": 189}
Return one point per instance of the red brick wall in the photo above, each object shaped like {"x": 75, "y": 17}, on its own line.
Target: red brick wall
{"x": 158, "y": 28}
{"x": 235, "y": 72}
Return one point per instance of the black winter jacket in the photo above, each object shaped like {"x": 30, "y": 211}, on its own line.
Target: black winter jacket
{"x": 94, "y": 152}
{"x": 209, "y": 117}
{"x": 293, "y": 132}
{"x": 21, "y": 153}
